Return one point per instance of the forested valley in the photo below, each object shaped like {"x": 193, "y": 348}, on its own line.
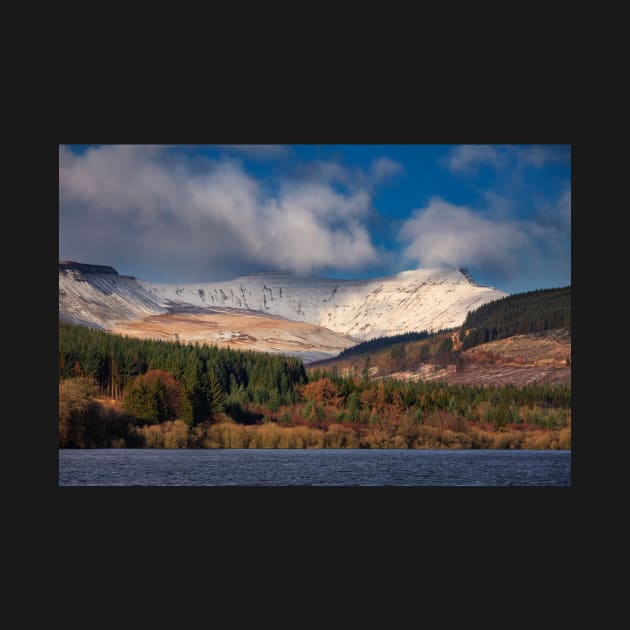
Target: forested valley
{"x": 121, "y": 392}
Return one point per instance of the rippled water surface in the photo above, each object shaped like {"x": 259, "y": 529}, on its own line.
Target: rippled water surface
{"x": 326, "y": 467}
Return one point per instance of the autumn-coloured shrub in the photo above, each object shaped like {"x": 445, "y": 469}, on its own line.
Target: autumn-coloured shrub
{"x": 77, "y": 408}
{"x": 407, "y": 432}
{"x": 508, "y": 440}
{"x": 85, "y": 422}
{"x": 339, "y": 436}
{"x": 447, "y": 420}
{"x": 311, "y": 438}
{"x": 265, "y": 436}
{"x": 540, "y": 440}
{"x": 377, "y": 438}
{"x": 452, "y": 439}
{"x": 322, "y": 391}
{"x": 481, "y": 439}
{"x": 176, "y": 434}
{"x": 152, "y": 436}
{"x": 428, "y": 437}
{"x": 227, "y": 434}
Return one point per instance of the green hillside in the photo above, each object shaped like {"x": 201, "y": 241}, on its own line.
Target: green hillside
{"x": 519, "y": 314}
{"x": 379, "y": 343}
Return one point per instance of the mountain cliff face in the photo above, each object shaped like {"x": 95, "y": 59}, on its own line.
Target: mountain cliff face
{"x": 422, "y": 299}
{"x": 96, "y": 296}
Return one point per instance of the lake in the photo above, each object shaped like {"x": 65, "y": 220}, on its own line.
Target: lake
{"x": 320, "y": 467}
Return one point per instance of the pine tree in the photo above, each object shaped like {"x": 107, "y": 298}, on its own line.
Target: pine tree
{"x": 164, "y": 412}
{"x": 141, "y": 402}
{"x": 216, "y": 395}
{"x": 274, "y": 400}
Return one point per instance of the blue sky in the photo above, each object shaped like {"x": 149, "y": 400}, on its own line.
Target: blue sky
{"x": 192, "y": 213}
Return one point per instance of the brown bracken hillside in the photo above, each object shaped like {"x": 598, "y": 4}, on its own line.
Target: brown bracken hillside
{"x": 542, "y": 358}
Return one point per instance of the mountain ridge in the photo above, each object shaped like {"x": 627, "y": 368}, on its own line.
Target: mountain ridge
{"x": 353, "y": 310}
{"x": 418, "y": 299}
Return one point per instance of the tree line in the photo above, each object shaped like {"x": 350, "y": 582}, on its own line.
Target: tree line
{"x": 160, "y": 379}
{"x": 533, "y": 311}
{"x": 378, "y": 343}
{"x": 116, "y": 391}
{"x": 365, "y": 401}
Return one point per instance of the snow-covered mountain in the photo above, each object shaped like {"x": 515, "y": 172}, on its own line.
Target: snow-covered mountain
{"x": 96, "y": 296}
{"x": 422, "y": 299}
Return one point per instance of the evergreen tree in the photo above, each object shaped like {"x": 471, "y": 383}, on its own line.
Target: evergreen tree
{"x": 216, "y": 395}
{"x": 274, "y": 400}
{"x": 141, "y": 402}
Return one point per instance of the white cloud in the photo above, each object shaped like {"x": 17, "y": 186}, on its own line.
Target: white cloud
{"x": 538, "y": 156}
{"x": 352, "y": 178}
{"x": 467, "y": 157}
{"x": 187, "y": 221}
{"x": 443, "y": 234}
{"x": 535, "y": 249}
{"x": 328, "y": 171}
{"x": 383, "y": 167}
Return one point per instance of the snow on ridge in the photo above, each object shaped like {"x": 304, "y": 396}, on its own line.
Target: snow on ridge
{"x": 99, "y": 299}
{"x": 418, "y": 299}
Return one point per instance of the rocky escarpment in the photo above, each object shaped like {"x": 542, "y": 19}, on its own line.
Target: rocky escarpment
{"x": 70, "y": 265}
{"x": 97, "y": 296}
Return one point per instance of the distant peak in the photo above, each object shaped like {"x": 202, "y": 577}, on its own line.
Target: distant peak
{"x": 70, "y": 265}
